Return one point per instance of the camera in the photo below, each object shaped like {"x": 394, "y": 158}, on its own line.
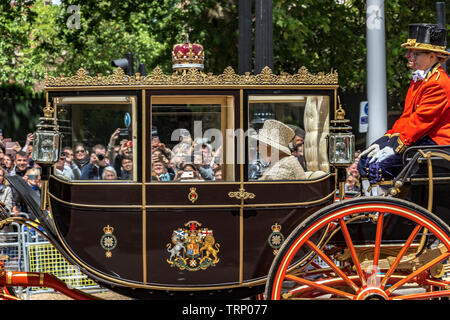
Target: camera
{"x": 100, "y": 157}
{"x": 187, "y": 175}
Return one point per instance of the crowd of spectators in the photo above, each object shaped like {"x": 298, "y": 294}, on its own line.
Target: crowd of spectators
{"x": 75, "y": 163}
{"x": 16, "y": 160}
{"x": 190, "y": 159}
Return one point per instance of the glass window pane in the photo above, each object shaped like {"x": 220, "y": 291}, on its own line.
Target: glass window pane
{"x": 187, "y": 138}
{"x": 272, "y": 151}
{"x": 99, "y": 135}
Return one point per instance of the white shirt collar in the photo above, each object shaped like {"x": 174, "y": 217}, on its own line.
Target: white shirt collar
{"x": 418, "y": 75}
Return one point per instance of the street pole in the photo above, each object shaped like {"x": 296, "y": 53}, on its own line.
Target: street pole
{"x": 245, "y": 37}
{"x": 263, "y": 35}
{"x": 440, "y": 20}
{"x": 376, "y": 70}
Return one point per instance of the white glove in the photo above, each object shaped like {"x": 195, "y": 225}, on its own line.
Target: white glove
{"x": 383, "y": 154}
{"x": 370, "y": 151}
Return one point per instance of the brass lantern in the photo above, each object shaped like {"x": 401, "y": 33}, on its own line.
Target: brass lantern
{"x": 341, "y": 141}
{"x": 46, "y": 146}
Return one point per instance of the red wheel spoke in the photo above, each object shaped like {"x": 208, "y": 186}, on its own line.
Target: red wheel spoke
{"x": 350, "y": 246}
{"x": 424, "y": 295}
{"x": 376, "y": 254}
{"x": 438, "y": 283}
{"x": 400, "y": 255}
{"x": 417, "y": 272}
{"x": 332, "y": 265}
{"x": 320, "y": 287}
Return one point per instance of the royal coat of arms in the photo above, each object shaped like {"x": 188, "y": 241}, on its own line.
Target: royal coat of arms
{"x": 193, "y": 248}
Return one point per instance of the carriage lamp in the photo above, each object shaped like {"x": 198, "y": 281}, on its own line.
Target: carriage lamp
{"x": 46, "y": 139}
{"x": 341, "y": 141}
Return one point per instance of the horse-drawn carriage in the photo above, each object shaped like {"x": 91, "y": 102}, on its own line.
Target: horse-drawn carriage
{"x": 209, "y": 235}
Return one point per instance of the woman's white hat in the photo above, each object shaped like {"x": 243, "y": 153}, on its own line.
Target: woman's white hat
{"x": 276, "y": 134}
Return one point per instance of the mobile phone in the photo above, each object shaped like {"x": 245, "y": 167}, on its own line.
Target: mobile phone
{"x": 123, "y": 134}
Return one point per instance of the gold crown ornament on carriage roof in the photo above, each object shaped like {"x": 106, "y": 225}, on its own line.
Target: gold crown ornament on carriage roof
{"x": 187, "y": 55}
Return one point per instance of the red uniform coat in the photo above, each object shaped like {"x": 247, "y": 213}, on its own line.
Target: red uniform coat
{"x": 427, "y": 110}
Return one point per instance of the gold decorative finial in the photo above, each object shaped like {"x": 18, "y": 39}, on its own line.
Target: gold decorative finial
{"x": 340, "y": 112}
{"x": 48, "y": 111}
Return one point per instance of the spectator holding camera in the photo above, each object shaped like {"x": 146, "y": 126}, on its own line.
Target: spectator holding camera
{"x": 125, "y": 151}
{"x": 159, "y": 156}
{"x": 112, "y": 144}
{"x": 158, "y": 145}
{"x": 97, "y": 163}
{"x": 185, "y": 145}
{"x": 63, "y": 169}
{"x": 202, "y": 161}
{"x": 188, "y": 173}
{"x": 28, "y": 147}
{"x": 69, "y": 162}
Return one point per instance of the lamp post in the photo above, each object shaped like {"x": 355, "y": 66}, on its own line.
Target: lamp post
{"x": 376, "y": 70}
{"x": 263, "y": 35}
{"x": 440, "y": 17}
{"x": 245, "y": 36}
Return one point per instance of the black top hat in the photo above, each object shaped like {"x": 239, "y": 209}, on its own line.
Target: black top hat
{"x": 431, "y": 38}
{"x": 413, "y": 29}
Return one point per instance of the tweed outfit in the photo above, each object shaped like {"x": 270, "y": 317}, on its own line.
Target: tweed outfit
{"x": 288, "y": 168}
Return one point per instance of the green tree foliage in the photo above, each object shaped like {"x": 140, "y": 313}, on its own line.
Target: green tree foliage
{"x": 15, "y": 27}
{"x": 322, "y": 35}
{"x": 108, "y": 29}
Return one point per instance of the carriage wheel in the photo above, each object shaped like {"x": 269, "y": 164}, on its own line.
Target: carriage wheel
{"x": 386, "y": 264}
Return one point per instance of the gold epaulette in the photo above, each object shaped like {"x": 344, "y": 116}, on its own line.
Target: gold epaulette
{"x": 401, "y": 146}
{"x": 432, "y": 72}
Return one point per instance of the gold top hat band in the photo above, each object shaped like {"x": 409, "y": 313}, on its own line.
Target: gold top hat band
{"x": 427, "y": 47}
{"x": 409, "y": 42}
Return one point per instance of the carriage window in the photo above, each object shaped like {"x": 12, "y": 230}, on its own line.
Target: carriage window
{"x": 99, "y": 138}
{"x": 270, "y": 144}
{"x": 188, "y": 138}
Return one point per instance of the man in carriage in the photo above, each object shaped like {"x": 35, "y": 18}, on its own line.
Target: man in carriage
{"x": 426, "y": 116}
